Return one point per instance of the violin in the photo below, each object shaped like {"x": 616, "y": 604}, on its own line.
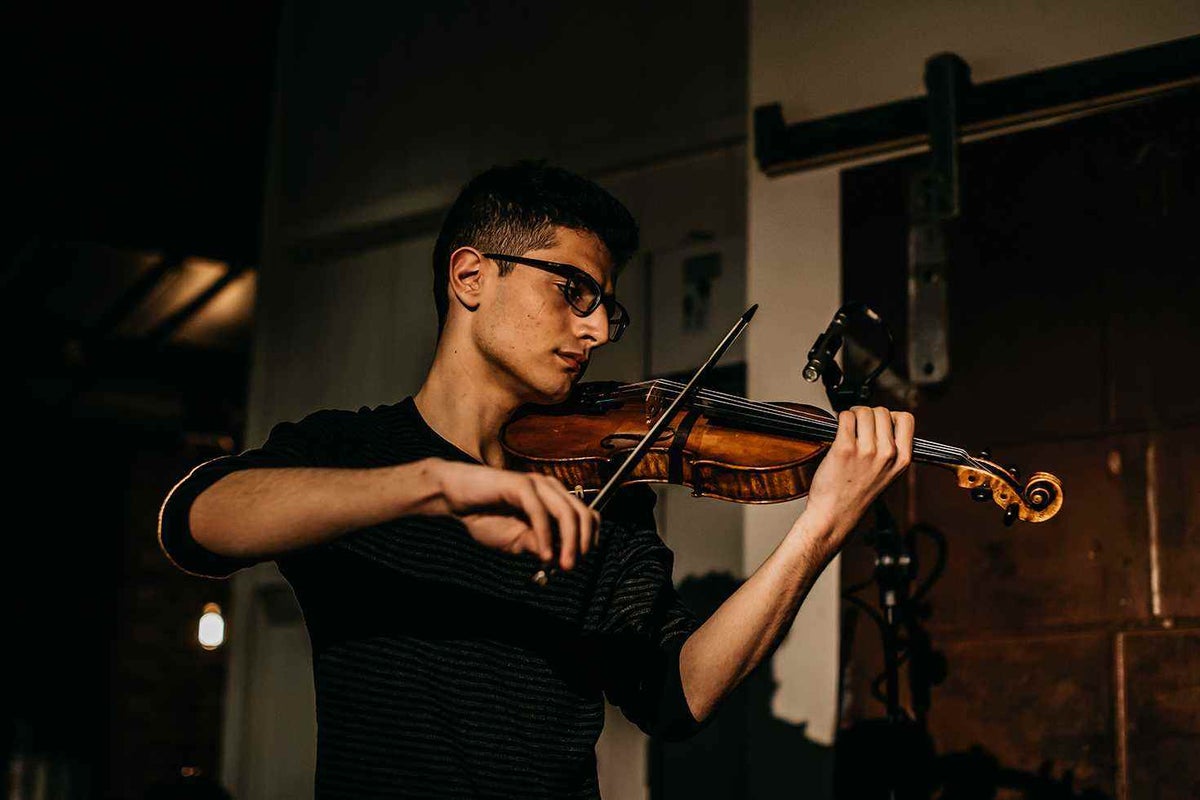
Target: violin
{"x": 724, "y": 446}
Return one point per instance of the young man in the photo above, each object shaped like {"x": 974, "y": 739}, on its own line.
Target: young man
{"x": 441, "y": 669}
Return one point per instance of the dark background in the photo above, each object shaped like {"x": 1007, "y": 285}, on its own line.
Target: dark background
{"x": 139, "y": 124}
{"x": 136, "y": 139}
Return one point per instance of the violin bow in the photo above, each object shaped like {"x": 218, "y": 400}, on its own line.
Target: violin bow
{"x": 542, "y": 576}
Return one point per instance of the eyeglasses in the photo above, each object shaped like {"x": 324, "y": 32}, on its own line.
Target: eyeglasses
{"x": 581, "y": 291}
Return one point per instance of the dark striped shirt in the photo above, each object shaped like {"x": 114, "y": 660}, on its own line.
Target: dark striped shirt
{"x": 441, "y": 670}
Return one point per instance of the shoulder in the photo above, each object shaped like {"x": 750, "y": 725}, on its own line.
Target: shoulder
{"x": 337, "y": 418}
{"x": 343, "y": 421}
{"x": 329, "y": 437}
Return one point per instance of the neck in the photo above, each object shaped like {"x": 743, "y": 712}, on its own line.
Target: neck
{"x": 464, "y": 403}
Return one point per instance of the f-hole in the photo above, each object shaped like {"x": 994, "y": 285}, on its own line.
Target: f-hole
{"x": 615, "y": 440}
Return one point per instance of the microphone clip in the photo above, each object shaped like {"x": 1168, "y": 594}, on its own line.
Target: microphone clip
{"x": 822, "y": 364}
{"x": 821, "y": 355}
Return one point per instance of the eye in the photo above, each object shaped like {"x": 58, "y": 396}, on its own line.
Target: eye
{"x": 575, "y": 292}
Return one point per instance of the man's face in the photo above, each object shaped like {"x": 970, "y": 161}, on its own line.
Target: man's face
{"x": 527, "y": 329}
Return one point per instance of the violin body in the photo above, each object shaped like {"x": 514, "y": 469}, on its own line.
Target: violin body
{"x": 726, "y": 447}
{"x": 581, "y": 443}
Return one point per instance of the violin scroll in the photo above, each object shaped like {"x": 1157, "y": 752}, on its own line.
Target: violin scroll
{"x": 1037, "y": 501}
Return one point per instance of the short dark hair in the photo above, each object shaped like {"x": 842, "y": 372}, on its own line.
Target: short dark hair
{"x": 514, "y": 209}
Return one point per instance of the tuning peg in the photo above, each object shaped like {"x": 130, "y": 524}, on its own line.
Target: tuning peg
{"x": 981, "y": 494}
{"x": 985, "y": 453}
{"x": 1014, "y": 471}
{"x": 1010, "y": 514}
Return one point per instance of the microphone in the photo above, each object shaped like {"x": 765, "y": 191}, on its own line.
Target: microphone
{"x": 825, "y": 347}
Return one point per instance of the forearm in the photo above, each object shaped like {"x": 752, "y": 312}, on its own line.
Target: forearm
{"x": 748, "y": 626}
{"x": 261, "y": 513}
{"x": 871, "y": 448}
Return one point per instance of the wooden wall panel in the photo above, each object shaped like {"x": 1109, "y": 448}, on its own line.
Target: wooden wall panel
{"x": 1178, "y": 539}
{"x": 1151, "y": 266}
{"x": 1073, "y": 646}
{"x": 862, "y": 651}
{"x": 1037, "y": 705}
{"x": 1162, "y": 713}
{"x": 1150, "y": 384}
{"x": 1086, "y": 565}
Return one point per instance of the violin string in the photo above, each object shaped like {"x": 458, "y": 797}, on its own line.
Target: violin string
{"x": 806, "y": 423}
{"x": 757, "y": 412}
{"x": 792, "y": 420}
{"x": 919, "y": 452}
{"x": 831, "y": 425}
{"x": 817, "y": 426}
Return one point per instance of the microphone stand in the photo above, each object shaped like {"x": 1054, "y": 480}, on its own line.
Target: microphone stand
{"x": 895, "y": 569}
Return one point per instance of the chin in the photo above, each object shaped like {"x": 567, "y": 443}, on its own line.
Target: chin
{"x": 545, "y": 382}
{"x": 552, "y": 391}
{"x": 556, "y": 396}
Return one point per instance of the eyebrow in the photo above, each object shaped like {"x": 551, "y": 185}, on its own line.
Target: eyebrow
{"x": 599, "y": 281}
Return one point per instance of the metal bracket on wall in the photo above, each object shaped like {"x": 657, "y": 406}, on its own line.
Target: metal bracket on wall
{"x": 928, "y": 353}
{"x": 1081, "y": 88}
{"x": 934, "y": 201}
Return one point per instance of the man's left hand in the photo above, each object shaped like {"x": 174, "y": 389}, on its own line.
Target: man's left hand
{"x": 872, "y": 447}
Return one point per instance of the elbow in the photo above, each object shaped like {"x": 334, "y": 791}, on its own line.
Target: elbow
{"x": 679, "y": 726}
{"x": 700, "y": 709}
{"x": 699, "y": 703}
{"x": 190, "y": 533}
{"x": 683, "y": 710}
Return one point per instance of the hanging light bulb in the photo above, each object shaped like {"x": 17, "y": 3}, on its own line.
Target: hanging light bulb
{"x": 211, "y": 630}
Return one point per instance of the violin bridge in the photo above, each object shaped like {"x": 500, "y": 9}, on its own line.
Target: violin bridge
{"x": 654, "y": 404}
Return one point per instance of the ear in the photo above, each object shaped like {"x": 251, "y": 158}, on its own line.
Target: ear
{"x": 466, "y": 276}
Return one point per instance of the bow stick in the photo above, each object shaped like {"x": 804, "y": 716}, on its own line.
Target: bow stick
{"x": 542, "y": 576}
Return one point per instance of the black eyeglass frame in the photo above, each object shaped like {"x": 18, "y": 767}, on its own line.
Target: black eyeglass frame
{"x": 616, "y": 325}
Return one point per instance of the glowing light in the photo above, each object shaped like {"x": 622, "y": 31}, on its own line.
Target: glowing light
{"x": 211, "y": 630}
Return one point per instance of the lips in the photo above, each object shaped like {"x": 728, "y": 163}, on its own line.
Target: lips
{"x": 574, "y": 360}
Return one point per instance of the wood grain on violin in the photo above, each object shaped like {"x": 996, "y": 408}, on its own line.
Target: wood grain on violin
{"x": 726, "y": 447}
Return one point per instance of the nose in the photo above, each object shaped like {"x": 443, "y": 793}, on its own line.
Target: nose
{"x": 594, "y": 326}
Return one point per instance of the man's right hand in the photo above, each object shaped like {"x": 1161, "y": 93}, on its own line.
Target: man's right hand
{"x": 517, "y": 512}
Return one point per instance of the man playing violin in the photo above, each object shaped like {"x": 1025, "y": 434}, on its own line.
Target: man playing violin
{"x": 441, "y": 669}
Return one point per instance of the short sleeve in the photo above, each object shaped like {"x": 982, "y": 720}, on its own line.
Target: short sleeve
{"x": 291, "y": 444}
{"x": 644, "y": 623}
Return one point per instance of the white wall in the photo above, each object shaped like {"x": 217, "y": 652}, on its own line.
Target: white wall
{"x": 793, "y": 272}
{"x": 821, "y": 58}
